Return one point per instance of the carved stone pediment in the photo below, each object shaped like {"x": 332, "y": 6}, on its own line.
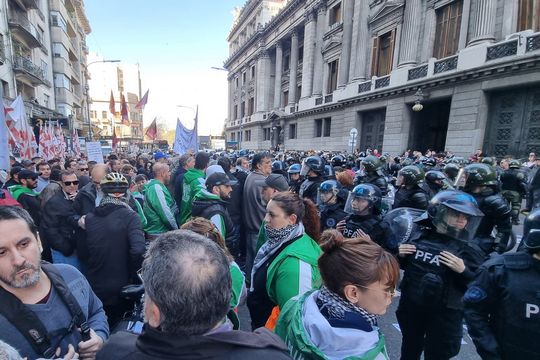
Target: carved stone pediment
{"x": 332, "y": 43}
{"x": 384, "y": 12}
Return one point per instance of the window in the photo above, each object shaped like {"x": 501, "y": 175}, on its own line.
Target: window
{"x": 233, "y": 136}
{"x": 44, "y": 66}
{"x": 103, "y": 114}
{"x": 5, "y": 88}
{"x": 322, "y": 127}
{"x": 332, "y": 76}
{"x": 247, "y": 135}
{"x": 243, "y": 78}
{"x": 318, "y": 127}
{"x": 266, "y": 134}
{"x": 242, "y": 109}
{"x": 93, "y": 114}
{"x": 46, "y": 99}
{"x": 529, "y": 15}
{"x": 298, "y": 93}
{"x": 285, "y": 101}
{"x": 327, "y": 127}
{"x": 61, "y": 81}
{"x": 447, "y": 31}
{"x": 59, "y": 50}
{"x": 301, "y": 53}
{"x": 286, "y": 62}
{"x": 335, "y": 15}
{"x": 382, "y": 55}
{"x": 58, "y": 20}
{"x": 252, "y": 71}
{"x": 251, "y": 106}
{"x": 235, "y": 112}
{"x": 236, "y": 83}
{"x": 292, "y": 131}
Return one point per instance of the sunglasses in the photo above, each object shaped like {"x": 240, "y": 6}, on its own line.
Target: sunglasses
{"x": 68, "y": 183}
{"x": 83, "y": 169}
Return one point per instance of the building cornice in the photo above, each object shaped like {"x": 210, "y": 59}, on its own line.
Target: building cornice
{"x": 282, "y": 15}
{"x": 244, "y": 13}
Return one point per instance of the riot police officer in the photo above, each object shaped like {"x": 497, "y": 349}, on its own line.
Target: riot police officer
{"x": 451, "y": 170}
{"x": 364, "y": 208}
{"x": 502, "y": 304}
{"x": 514, "y": 186}
{"x": 438, "y": 262}
{"x": 437, "y": 181}
{"x": 338, "y": 161}
{"x": 481, "y": 182}
{"x": 313, "y": 170}
{"x": 295, "y": 180}
{"x": 412, "y": 191}
{"x": 372, "y": 174}
{"x": 331, "y": 201}
{"x": 279, "y": 167}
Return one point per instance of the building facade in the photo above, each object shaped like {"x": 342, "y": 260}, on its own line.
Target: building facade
{"x": 303, "y": 73}
{"x": 121, "y": 79}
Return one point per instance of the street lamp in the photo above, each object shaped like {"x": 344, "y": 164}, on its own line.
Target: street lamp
{"x": 87, "y": 88}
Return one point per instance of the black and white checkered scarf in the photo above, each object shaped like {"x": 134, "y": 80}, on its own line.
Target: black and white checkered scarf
{"x": 336, "y": 306}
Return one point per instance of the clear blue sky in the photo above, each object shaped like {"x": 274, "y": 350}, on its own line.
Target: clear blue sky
{"x": 175, "y": 42}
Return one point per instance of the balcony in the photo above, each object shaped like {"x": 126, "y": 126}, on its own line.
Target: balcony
{"x": 25, "y": 69}
{"x": 27, "y": 4}
{"x": 21, "y": 27}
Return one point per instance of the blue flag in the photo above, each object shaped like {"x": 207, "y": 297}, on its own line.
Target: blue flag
{"x": 186, "y": 140}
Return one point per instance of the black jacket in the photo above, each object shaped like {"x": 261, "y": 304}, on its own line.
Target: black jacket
{"x": 154, "y": 344}
{"x": 31, "y": 204}
{"x": 497, "y": 214}
{"x": 85, "y": 201}
{"x": 310, "y": 188}
{"x": 514, "y": 180}
{"x": 209, "y": 207}
{"x": 417, "y": 197}
{"x": 112, "y": 251}
{"x": 234, "y": 205}
{"x": 178, "y": 186}
{"x": 58, "y": 222}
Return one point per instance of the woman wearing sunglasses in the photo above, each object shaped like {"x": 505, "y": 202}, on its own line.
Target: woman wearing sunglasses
{"x": 340, "y": 320}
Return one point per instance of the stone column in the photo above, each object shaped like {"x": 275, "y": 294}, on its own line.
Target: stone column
{"x": 345, "y": 57}
{"x": 279, "y": 69}
{"x": 411, "y": 31}
{"x": 429, "y": 33}
{"x": 231, "y": 97}
{"x": 318, "y": 67}
{"x": 483, "y": 20}
{"x": 263, "y": 81}
{"x": 362, "y": 44}
{"x": 293, "y": 67}
{"x": 309, "y": 53}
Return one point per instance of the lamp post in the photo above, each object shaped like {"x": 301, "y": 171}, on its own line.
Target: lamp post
{"x": 87, "y": 88}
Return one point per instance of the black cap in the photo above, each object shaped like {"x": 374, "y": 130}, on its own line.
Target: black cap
{"x": 15, "y": 170}
{"x": 27, "y": 174}
{"x": 274, "y": 181}
{"x": 219, "y": 178}
{"x": 27, "y": 162}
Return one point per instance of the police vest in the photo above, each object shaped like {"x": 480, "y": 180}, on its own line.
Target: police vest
{"x": 427, "y": 281}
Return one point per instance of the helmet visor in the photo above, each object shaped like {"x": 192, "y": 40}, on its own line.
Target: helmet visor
{"x": 358, "y": 205}
{"x": 326, "y": 197}
{"x": 455, "y": 224}
{"x": 305, "y": 169}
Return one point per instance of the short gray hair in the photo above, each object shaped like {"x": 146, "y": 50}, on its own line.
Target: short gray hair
{"x": 187, "y": 276}
{"x": 7, "y": 352}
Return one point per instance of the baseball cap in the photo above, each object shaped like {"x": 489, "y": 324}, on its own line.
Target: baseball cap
{"x": 159, "y": 155}
{"x": 218, "y": 178}
{"x": 26, "y": 163}
{"x": 15, "y": 170}
{"x": 275, "y": 181}
{"x": 27, "y": 174}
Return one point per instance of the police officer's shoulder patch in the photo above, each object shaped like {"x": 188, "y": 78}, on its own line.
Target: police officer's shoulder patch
{"x": 331, "y": 222}
{"x": 475, "y": 294}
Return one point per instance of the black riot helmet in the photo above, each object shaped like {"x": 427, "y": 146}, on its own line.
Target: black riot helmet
{"x": 278, "y": 166}
{"x": 437, "y": 180}
{"x": 338, "y": 160}
{"x": 371, "y": 163}
{"x": 451, "y": 170}
{"x": 531, "y": 231}
{"x": 479, "y": 175}
{"x": 368, "y": 192}
{"x": 514, "y": 164}
{"x": 313, "y": 163}
{"x": 455, "y": 214}
{"x": 410, "y": 175}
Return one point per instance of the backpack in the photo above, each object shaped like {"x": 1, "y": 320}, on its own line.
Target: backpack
{"x": 27, "y": 322}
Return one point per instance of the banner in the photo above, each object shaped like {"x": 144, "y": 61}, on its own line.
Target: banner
{"x": 93, "y": 151}
{"x": 186, "y": 140}
{"x": 75, "y": 144}
{"x": 4, "y": 136}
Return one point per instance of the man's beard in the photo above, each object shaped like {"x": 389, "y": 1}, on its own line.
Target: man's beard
{"x": 27, "y": 280}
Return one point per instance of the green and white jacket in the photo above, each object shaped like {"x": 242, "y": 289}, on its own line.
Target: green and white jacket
{"x": 308, "y": 334}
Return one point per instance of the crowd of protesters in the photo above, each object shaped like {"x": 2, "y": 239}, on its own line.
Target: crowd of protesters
{"x": 312, "y": 242}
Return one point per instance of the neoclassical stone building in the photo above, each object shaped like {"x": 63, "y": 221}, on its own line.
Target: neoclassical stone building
{"x": 303, "y": 73}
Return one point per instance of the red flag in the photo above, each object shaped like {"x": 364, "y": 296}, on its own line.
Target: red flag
{"x": 111, "y": 105}
{"x": 142, "y": 103}
{"x": 124, "y": 110}
{"x": 151, "y": 131}
{"x": 114, "y": 139}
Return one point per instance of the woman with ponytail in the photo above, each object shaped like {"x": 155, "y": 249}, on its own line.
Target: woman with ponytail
{"x": 286, "y": 264}
{"x": 339, "y": 321}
